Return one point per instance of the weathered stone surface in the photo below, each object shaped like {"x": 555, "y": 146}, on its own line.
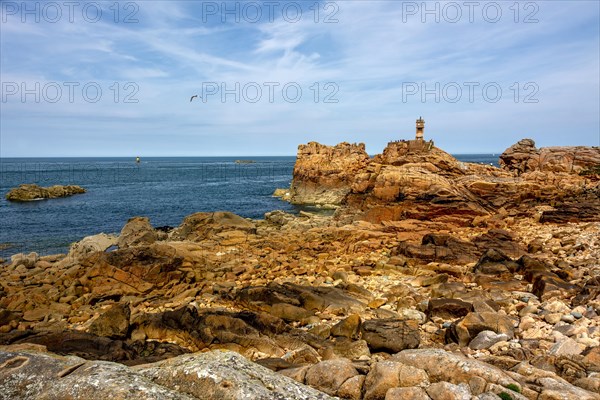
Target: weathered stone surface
{"x": 137, "y": 231}
{"x": 386, "y": 375}
{"x": 348, "y": 327}
{"x": 80, "y": 344}
{"x": 9, "y": 319}
{"x": 213, "y": 375}
{"x": 224, "y": 375}
{"x": 351, "y": 349}
{"x": 332, "y": 299}
{"x": 391, "y": 335}
{"x": 448, "y": 308}
{"x": 566, "y": 347}
{"x": 486, "y": 339}
{"x": 91, "y": 244}
{"x": 495, "y": 262}
{"x": 324, "y": 174}
{"x": 202, "y": 225}
{"x": 409, "y": 393}
{"x": 449, "y": 391}
{"x": 112, "y": 323}
{"x": 474, "y": 323}
{"x": 30, "y": 192}
{"x": 352, "y": 388}
{"x": 442, "y": 366}
{"x": 329, "y": 376}
{"x": 289, "y": 312}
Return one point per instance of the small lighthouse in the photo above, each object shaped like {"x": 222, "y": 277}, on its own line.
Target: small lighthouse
{"x": 420, "y": 129}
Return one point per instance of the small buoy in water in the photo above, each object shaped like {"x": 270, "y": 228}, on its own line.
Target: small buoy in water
{"x": 137, "y": 160}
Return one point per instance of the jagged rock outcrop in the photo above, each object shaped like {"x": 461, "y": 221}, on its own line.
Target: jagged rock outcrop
{"x": 324, "y": 174}
{"x": 30, "y": 192}
{"x": 414, "y": 179}
{"x": 525, "y": 157}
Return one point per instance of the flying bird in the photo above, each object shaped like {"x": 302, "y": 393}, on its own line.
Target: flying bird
{"x": 192, "y": 98}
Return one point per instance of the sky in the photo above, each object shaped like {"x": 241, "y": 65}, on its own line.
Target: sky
{"x": 84, "y": 79}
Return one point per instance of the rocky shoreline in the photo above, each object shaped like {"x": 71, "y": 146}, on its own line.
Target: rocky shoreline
{"x": 434, "y": 279}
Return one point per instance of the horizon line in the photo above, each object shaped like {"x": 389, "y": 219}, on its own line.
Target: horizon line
{"x": 206, "y": 156}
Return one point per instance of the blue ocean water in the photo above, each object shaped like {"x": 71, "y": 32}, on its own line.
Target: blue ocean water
{"x": 163, "y": 189}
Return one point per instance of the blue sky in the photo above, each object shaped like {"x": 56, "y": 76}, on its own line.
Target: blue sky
{"x": 366, "y": 71}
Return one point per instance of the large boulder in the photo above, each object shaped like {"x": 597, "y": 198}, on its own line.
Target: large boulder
{"x": 91, "y": 244}
{"x": 329, "y": 375}
{"x": 386, "y": 375}
{"x": 30, "y": 192}
{"x": 203, "y": 225}
{"x": 473, "y": 323}
{"x": 137, "y": 231}
{"x": 214, "y": 375}
{"x": 391, "y": 335}
{"x": 442, "y": 366}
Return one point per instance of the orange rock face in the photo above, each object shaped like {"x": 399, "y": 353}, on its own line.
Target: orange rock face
{"x": 324, "y": 174}
{"x": 525, "y": 157}
{"x": 414, "y": 179}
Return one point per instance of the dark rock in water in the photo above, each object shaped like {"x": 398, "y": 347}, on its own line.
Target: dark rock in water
{"x": 4, "y": 246}
{"x": 29, "y": 192}
{"x": 391, "y": 335}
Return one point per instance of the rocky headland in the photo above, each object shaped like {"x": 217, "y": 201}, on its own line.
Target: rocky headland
{"x": 31, "y": 192}
{"x": 433, "y": 279}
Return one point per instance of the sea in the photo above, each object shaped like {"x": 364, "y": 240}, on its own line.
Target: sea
{"x": 165, "y": 189}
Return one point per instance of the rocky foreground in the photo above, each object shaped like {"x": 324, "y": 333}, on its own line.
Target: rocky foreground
{"x": 434, "y": 279}
{"x": 31, "y": 192}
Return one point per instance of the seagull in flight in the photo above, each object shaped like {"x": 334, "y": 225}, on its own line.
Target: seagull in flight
{"x": 193, "y": 97}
